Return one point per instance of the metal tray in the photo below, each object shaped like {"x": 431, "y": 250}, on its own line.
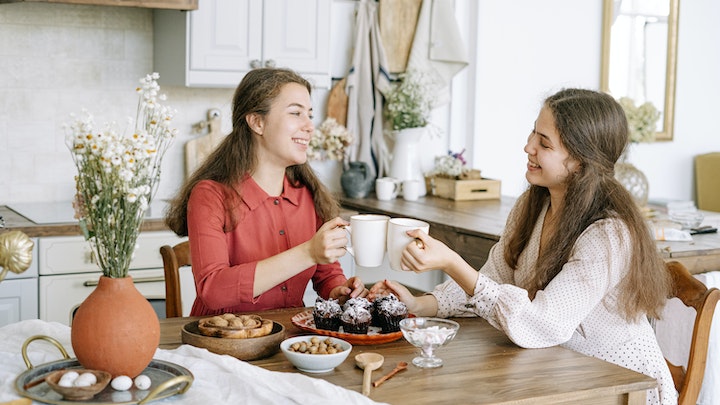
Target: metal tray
{"x": 167, "y": 378}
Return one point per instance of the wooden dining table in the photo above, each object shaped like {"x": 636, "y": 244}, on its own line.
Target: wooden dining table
{"x": 480, "y": 366}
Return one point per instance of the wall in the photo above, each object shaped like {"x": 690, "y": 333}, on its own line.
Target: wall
{"x": 527, "y": 50}
{"x": 58, "y": 58}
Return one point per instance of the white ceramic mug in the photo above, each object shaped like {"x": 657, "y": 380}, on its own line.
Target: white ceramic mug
{"x": 387, "y": 188}
{"x": 368, "y": 235}
{"x": 397, "y": 238}
{"x": 411, "y": 190}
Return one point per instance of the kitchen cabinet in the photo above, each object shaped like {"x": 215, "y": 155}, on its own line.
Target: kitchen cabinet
{"x": 166, "y": 4}
{"x": 215, "y": 45}
{"x": 68, "y": 274}
{"x": 19, "y": 294}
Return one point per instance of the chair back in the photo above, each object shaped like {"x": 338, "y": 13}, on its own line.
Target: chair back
{"x": 694, "y": 294}
{"x": 707, "y": 182}
{"x": 174, "y": 257}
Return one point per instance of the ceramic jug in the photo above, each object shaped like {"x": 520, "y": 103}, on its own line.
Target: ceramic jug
{"x": 356, "y": 181}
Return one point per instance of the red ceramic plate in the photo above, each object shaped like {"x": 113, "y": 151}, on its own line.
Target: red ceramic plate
{"x": 304, "y": 320}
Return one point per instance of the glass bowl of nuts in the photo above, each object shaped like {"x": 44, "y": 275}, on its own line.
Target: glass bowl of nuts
{"x": 315, "y": 353}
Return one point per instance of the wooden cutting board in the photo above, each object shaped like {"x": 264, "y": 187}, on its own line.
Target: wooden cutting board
{"x": 196, "y": 150}
{"x": 338, "y": 102}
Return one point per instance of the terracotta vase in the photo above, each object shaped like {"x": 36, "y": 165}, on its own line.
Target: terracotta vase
{"x": 115, "y": 329}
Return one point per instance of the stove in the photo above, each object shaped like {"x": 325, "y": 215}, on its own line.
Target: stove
{"x": 62, "y": 212}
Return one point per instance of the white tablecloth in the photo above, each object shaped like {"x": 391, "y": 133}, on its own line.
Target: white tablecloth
{"x": 218, "y": 379}
{"x": 674, "y": 332}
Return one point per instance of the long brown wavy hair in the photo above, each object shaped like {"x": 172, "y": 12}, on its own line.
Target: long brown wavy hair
{"x": 236, "y": 156}
{"x": 594, "y": 130}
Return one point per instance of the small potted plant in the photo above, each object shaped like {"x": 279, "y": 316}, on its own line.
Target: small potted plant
{"x": 407, "y": 115}
{"x": 451, "y": 178}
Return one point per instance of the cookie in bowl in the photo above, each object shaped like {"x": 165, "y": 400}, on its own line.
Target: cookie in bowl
{"x": 235, "y": 326}
{"x": 245, "y": 337}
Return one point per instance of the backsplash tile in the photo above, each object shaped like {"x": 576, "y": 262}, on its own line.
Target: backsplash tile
{"x": 57, "y": 59}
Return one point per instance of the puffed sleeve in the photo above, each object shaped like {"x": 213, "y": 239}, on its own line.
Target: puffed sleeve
{"x": 589, "y": 278}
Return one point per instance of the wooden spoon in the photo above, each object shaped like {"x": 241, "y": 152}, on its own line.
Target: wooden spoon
{"x": 400, "y": 367}
{"x": 368, "y": 362}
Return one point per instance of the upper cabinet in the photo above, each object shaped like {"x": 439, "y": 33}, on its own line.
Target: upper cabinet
{"x": 215, "y": 45}
{"x": 168, "y": 4}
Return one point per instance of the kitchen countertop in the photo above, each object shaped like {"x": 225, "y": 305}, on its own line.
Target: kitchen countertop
{"x": 16, "y": 222}
{"x": 485, "y": 219}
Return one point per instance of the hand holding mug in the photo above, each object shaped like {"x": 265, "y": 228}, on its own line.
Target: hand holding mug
{"x": 328, "y": 243}
{"x": 398, "y": 238}
{"x": 427, "y": 254}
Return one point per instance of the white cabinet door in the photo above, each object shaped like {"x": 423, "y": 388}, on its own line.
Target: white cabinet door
{"x": 225, "y": 35}
{"x": 296, "y": 34}
{"x": 215, "y": 45}
{"x": 18, "y": 300}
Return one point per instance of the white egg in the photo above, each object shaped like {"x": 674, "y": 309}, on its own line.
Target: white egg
{"x": 121, "y": 383}
{"x": 142, "y": 382}
{"x": 81, "y": 383}
{"x": 68, "y": 379}
{"x": 87, "y": 377}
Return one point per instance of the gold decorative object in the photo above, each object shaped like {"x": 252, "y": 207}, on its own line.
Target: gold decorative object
{"x": 15, "y": 252}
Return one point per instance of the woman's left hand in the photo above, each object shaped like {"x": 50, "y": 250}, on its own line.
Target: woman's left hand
{"x": 352, "y": 288}
{"x": 425, "y": 253}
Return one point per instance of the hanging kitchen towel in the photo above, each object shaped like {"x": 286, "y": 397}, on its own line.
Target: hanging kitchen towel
{"x": 438, "y": 48}
{"x": 366, "y": 80}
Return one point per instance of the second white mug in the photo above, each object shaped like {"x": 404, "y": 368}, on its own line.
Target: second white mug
{"x": 397, "y": 237}
{"x": 387, "y": 188}
{"x": 411, "y": 190}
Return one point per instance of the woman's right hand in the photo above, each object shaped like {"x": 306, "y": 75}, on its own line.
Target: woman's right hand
{"x": 328, "y": 243}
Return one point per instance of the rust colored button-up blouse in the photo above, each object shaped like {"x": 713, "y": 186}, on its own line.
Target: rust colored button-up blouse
{"x": 224, "y": 263}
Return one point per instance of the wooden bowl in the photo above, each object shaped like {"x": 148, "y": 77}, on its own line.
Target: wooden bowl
{"x": 78, "y": 393}
{"x": 243, "y": 349}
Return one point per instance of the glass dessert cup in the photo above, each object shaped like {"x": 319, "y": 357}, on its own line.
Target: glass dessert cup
{"x": 428, "y": 334}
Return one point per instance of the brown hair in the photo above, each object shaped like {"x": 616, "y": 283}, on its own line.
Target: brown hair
{"x": 593, "y": 128}
{"x": 236, "y": 155}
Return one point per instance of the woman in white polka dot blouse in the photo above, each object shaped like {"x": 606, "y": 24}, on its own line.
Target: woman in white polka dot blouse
{"x": 576, "y": 265}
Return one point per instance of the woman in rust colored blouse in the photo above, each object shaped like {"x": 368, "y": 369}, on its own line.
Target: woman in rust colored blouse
{"x": 260, "y": 223}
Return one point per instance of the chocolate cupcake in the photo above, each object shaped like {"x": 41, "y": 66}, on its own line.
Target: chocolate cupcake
{"x": 358, "y": 302}
{"x": 389, "y": 311}
{"x": 327, "y": 314}
{"x": 355, "y": 319}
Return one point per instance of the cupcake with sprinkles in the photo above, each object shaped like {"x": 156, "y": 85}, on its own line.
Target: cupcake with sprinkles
{"x": 355, "y": 319}
{"x": 389, "y": 311}
{"x": 327, "y": 314}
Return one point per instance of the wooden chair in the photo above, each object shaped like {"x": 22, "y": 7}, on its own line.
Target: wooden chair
{"x": 694, "y": 294}
{"x": 173, "y": 258}
{"x": 707, "y": 182}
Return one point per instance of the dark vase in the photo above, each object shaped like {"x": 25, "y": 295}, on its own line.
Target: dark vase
{"x": 356, "y": 181}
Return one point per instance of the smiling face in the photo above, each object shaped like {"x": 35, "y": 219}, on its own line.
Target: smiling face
{"x": 549, "y": 162}
{"x": 284, "y": 132}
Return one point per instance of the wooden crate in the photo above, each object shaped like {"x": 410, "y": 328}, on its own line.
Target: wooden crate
{"x": 460, "y": 190}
